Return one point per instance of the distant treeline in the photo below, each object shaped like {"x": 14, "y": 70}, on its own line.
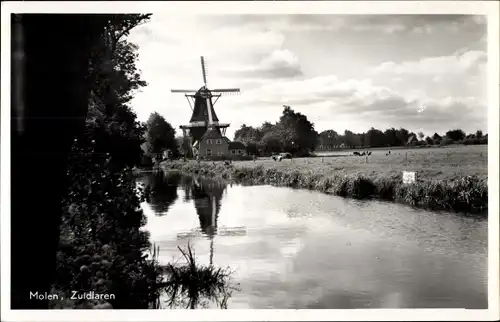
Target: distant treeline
{"x": 396, "y": 137}
{"x": 295, "y": 134}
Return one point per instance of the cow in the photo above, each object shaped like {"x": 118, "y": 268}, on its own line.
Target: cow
{"x": 277, "y": 157}
{"x": 286, "y": 155}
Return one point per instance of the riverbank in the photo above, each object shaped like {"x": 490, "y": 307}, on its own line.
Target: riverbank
{"x": 438, "y": 186}
{"x": 102, "y": 244}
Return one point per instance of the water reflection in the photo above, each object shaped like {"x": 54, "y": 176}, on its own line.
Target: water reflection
{"x": 296, "y": 249}
{"x": 207, "y": 201}
{"x": 192, "y": 284}
{"x": 162, "y": 190}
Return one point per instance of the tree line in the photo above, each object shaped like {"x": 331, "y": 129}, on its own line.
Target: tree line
{"x": 293, "y": 133}
{"x": 392, "y": 137}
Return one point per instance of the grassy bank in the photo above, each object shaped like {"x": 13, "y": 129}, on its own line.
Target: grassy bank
{"x": 441, "y": 184}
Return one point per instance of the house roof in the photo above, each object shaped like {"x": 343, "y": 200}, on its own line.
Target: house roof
{"x": 226, "y": 139}
{"x": 212, "y": 133}
{"x": 235, "y": 145}
{"x": 411, "y": 138}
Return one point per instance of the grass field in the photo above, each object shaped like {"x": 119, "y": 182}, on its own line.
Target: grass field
{"x": 452, "y": 178}
{"x": 429, "y": 163}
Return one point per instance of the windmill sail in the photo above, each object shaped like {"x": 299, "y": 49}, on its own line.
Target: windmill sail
{"x": 203, "y": 70}
{"x": 226, "y": 90}
{"x": 183, "y": 90}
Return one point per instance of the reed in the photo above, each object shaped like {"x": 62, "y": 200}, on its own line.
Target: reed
{"x": 189, "y": 284}
{"x": 468, "y": 194}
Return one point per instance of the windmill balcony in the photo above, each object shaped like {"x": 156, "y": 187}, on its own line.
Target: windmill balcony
{"x": 204, "y": 124}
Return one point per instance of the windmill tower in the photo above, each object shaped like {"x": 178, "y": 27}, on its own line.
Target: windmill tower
{"x": 203, "y": 117}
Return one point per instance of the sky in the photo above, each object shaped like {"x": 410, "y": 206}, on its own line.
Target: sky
{"x": 421, "y": 72}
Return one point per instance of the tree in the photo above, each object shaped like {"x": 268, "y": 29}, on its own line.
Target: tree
{"x": 436, "y": 138}
{"x": 375, "y": 138}
{"x": 446, "y": 140}
{"x": 112, "y": 70}
{"x": 247, "y": 134}
{"x": 297, "y": 132}
{"x": 160, "y": 135}
{"x": 349, "y": 138}
{"x": 328, "y": 139}
{"x": 114, "y": 78}
{"x": 271, "y": 142}
{"x": 403, "y": 136}
{"x": 86, "y": 177}
{"x": 479, "y": 134}
{"x": 421, "y": 135}
{"x": 391, "y": 137}
{"x": 266, "y": 127}
{"x": 456, "y": 135}
{"x": 429, "y": 141}
{"x": 252, "y": 148}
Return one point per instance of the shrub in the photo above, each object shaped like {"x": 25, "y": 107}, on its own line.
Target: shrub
{"x": 101, "y": 245}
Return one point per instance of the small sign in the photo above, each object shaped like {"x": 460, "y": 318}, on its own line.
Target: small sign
{"x": 409, "y": 177}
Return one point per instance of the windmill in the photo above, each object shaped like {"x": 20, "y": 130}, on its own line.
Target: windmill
{"x": 203, "y": 117}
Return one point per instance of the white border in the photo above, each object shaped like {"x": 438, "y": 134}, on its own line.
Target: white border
{"x": 489, "y": 8}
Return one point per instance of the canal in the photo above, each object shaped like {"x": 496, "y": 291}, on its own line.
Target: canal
{"x": 299, "y": 249}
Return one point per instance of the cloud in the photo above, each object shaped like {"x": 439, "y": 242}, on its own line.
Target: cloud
{"x": 166, "y": 44}
{"x": 278, "y": 64}
{"x": 256, "y": 53}
{"x": 459, "y": 63}
{"x": 359, "y": 104}
{"x": 461, "y": 74}
{"x": 387, "y": 24}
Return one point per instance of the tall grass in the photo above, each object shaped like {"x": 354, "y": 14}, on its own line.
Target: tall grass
{"x": 192, "y": 284}
{"x": 467, "y": 194}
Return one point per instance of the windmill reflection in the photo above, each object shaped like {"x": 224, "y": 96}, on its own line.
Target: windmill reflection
{"x": 207, "y": 196}
{"x": 193, "y": 284}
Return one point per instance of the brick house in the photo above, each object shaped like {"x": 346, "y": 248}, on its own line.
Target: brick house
{"x": 212, "y": 143}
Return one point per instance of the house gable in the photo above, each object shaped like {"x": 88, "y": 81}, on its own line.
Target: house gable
{"x": 212, "y": 134}
{"x": 412, "y": 139}
{"x": 213, "y": 143}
